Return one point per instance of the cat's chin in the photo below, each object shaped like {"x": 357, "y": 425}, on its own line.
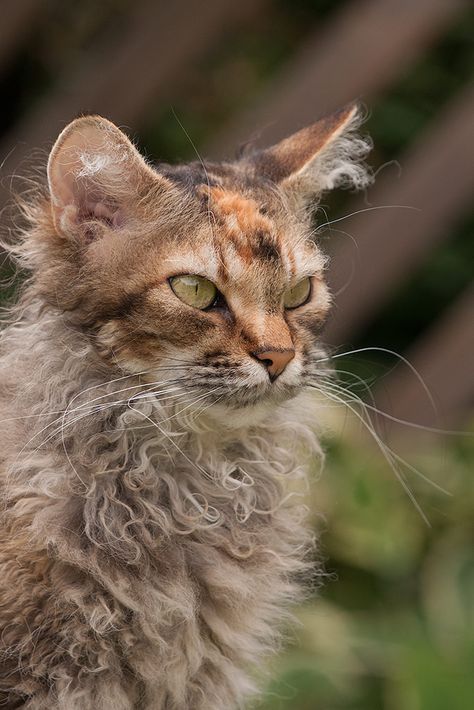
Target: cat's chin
{"x": 224, "y": 417}
{"x": 246, "y": 408}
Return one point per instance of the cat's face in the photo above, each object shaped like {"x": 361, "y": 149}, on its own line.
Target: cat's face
{"x": 204, "y": 279}
{"x": 234, "y": 304}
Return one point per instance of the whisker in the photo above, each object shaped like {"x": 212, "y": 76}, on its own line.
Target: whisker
{"x": 403, "y": 359}
{"x": 392, "y": 418}
{"x": 63, "y": 440}
{"x": 384, "y": 448}
{"x": 192, "y": 402}
{"x": 78, "y": 394}
{"x": 155, "y": 394}
{"x": 367, "y": 209}
{"x": 341, "y": 390}
{"x": 89, "y": 410}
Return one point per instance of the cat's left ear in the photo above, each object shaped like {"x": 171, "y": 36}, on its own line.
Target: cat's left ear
{"x": 320, "y": 157}
{"x": 95, "y": 176}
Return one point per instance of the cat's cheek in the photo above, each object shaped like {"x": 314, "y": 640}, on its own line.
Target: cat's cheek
{"x": 308, "y": 322}
{"x": 116, "y": 345}
{"x": 105, "y": 339}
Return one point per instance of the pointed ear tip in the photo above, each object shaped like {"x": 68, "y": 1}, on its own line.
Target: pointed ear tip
{"x": 352, "y": 107}
{"x": 352, "y": 111}
{"x": 346, "y": 118}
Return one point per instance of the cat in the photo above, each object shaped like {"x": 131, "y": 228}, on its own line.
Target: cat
{"x": 156, "y": 409}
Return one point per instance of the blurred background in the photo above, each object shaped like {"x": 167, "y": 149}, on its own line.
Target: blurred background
{"x": 393, "y": 626}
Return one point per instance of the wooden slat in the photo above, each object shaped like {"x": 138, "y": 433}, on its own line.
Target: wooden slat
{"x": 136, "y": 67}
{"x": 444, "y": 358}
{"x": 437, "y": 178}
{"x": 361, "y": 51}
{"x": 16, "y": 21}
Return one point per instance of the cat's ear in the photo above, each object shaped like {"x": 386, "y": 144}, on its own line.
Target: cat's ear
{"x": 320, "y": 157}
{"x": 94, "y": 173}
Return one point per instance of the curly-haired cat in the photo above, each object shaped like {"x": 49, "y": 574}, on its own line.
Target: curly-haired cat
{"x": 153, "y": 407}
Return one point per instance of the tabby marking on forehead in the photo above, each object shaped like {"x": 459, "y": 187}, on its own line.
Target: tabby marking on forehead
{"x": 241, "y": 212}
{"x": 251, "y": 233}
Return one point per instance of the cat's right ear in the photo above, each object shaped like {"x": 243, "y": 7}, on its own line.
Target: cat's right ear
{"x": 320, "y": 157}
{"x": 95, "y": 176}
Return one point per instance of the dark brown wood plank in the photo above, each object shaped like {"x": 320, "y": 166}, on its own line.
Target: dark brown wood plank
{"x": 121, "y": 76}
{"x": 436, "y": 178}
{"x": 359, "y": 52}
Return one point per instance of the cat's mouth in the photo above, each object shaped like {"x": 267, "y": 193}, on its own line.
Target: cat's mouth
{"x": 238, "y": 396}
{"x": 272, "y": 393}
{"x": 194, "y": 389}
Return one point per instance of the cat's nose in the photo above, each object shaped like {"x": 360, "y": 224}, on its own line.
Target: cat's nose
{"x": 275, "y": 360}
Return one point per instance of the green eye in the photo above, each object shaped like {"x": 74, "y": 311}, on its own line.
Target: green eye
{"x": 194, "y": 290}
{"x": 297, "y": 295}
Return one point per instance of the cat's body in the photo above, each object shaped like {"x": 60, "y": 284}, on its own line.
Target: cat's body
{"x": 165, "y": 610}
{"x": 149, "y": 542}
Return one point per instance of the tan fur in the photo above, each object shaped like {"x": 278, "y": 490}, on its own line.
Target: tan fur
{"x": 149, "y": 542}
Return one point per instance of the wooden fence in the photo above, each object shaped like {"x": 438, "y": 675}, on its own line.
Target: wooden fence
{"x": 141, "y": 55}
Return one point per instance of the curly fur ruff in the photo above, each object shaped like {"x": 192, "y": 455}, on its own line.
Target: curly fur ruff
{"x": 168, "y": 568}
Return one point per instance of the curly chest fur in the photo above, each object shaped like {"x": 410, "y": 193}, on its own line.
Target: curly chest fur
{"x": 146, "y": 590}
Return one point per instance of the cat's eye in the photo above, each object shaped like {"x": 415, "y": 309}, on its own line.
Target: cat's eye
{"x": 194, "y": 290}
{"x": 298, "y": 294}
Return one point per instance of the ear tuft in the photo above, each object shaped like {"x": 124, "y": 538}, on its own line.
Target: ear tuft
{"x": 320, "y": 157}
{"x": 94, "y": 172}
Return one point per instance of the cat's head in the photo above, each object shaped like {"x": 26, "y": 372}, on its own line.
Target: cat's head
{"x": 205, "y": 275}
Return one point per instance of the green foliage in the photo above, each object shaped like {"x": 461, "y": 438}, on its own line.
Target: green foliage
{"x": 393, "y": 627}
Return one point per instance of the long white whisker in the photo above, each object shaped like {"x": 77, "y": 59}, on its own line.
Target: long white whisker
{"x": 89, "y": 408}
{"x": 385, "y": 450}
{"x": 367, "y": 209}
{"x": 388, "y": 456}
{"x": 191, "y": 403}
{"x": 356, "y": 400}
{"x": 392, "y": 418}
{"x": 403, "y": 359}
{"x": 155, "y": 394}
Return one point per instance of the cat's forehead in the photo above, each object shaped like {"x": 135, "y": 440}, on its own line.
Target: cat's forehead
{"x": 246, "y": 226}
{"x": 221, "y": 179}
{"x": 241, "y": 228}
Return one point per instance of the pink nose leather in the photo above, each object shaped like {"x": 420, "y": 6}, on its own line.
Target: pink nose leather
{"x": 275, "y": 360}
